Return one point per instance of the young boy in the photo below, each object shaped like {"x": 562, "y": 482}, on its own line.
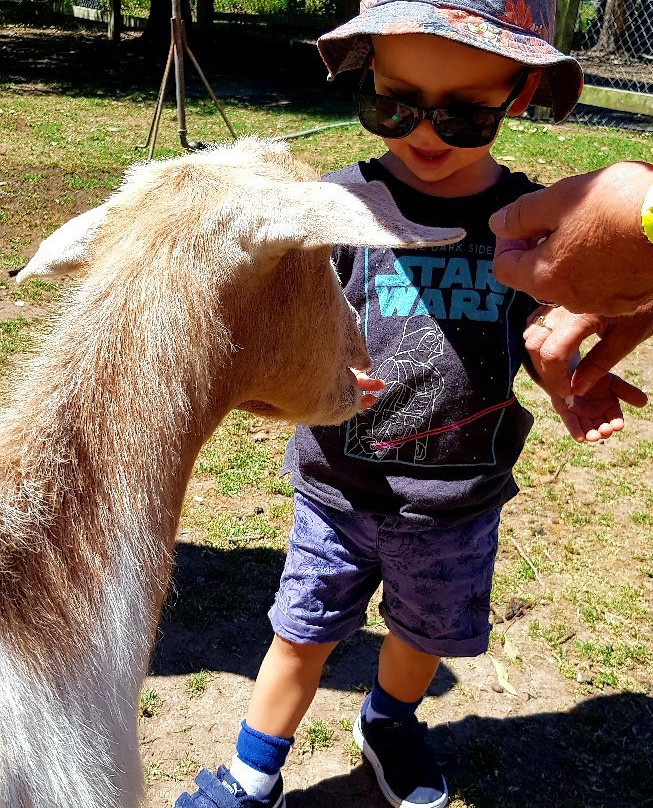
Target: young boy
{"x": 409, "y": 492}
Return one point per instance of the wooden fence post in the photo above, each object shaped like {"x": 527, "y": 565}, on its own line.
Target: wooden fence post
{"x": 115, "y": 20}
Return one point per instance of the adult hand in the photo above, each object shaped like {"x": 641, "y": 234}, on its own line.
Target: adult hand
{"x": 619, "y": 336}
{"x": 586, "y": 396}
{"x": 580, "y": 242}
{"x": 554, "y": 336}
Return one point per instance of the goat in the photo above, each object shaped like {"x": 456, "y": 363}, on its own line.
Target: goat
{"x": 205, "y": 284}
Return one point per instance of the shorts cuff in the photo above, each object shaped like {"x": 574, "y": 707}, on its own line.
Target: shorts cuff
{"x": 442, "y": 647}
{"x": 304, "y": 633}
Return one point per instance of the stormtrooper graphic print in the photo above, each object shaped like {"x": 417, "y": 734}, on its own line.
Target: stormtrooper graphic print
{"x": 397, "y": 426}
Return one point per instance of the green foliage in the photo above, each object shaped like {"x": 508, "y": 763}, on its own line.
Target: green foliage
{"x": 197, "y": 683}
{"x": 149, "y": 703}
{"x": 316, "y": 736}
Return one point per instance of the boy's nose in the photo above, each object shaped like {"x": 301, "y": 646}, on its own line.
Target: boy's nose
{"x": 425, "y": 132}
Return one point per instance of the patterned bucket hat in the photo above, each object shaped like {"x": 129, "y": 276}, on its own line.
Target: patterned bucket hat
{"x": 517, "y": 29}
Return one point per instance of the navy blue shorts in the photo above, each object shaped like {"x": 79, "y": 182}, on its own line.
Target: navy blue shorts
{"x": 436, "y": 581}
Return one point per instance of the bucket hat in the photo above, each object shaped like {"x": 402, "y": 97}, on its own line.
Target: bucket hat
{"x": 521, "y": 30}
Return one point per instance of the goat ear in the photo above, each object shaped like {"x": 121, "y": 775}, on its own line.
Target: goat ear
{"x": 315, "y": 214}
{"x": 67, "y": 248}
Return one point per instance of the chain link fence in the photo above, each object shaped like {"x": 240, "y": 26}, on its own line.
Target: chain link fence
{"x": 613, "y": 41}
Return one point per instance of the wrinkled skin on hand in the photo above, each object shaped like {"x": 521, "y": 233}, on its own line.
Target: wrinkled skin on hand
{"x": 580, "y": 242}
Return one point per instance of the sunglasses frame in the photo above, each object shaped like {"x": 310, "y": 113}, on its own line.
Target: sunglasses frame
{"x": 434, "y": 114}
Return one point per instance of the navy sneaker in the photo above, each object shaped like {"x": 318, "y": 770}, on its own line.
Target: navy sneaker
{"x": 221, "y": 790}
{"x": 404, "y": 763}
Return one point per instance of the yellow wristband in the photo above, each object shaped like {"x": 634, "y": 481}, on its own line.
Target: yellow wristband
{"x": 647, "y": 214}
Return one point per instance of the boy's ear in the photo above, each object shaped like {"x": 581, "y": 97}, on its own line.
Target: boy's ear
{"x": 520, "y": 104}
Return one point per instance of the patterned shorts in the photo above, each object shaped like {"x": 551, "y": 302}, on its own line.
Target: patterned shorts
{"x": 436, "y": 581}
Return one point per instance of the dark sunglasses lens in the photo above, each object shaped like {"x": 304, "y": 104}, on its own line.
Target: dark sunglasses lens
{"x": 468, "y": 129}
{"x": 384, "y": 116}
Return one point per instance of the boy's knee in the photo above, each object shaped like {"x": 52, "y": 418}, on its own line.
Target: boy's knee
{"x": 305, "y": 652}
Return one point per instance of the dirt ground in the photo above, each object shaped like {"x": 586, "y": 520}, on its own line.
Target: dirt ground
{"x": 557, "y": 742}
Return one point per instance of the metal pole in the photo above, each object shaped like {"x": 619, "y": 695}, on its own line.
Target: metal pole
{"x": 156, "y": 119}
{"x": 179, "y": 45}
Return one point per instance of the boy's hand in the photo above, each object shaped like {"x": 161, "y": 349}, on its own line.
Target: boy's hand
{"x": 597, "y": 414}
{"x": 368, "y": 386}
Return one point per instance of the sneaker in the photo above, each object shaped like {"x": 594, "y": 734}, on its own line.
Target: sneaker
{"x": 221, "y": 790}
{"x": 404, "y": 763}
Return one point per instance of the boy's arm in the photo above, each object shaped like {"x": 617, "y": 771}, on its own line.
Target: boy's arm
{"x": 553, "y": 351}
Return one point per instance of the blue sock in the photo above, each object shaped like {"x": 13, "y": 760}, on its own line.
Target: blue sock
{"x": 383, "y": 705}
{"x": 262, "y": 752}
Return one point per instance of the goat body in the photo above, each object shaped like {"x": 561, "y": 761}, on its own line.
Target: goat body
{"x": 205, "y": 284}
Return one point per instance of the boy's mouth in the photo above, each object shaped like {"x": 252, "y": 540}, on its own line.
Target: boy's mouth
{"x": 430, "y": 158}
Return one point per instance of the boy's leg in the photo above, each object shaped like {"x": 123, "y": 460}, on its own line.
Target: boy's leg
{"x": 328, "y": 579}
{"x": 389, "y": 735}
{"x": 436, "y": 602}
{"x": 404, "y": 672}
{"x": 285, "y": 686}
{"x": 284, "y": 689}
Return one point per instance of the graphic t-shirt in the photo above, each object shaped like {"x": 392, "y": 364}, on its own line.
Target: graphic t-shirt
{"x": 446, "y": 337}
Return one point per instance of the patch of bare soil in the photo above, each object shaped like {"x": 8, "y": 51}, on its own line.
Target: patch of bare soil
{"x": 617, "y": 68}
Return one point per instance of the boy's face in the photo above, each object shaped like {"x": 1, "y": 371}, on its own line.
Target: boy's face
{"x": 431, "y": 71}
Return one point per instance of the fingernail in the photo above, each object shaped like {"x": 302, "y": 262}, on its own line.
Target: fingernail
{"x": 505, "y": 245}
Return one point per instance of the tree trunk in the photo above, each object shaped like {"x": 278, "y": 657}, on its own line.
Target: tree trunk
{"x": 115, "y": 20}
{"x": 613, "y": 27}
{"x": 205, "y": 17}
{"x": 566, "y": 16}
{"x": 156, "y": 36}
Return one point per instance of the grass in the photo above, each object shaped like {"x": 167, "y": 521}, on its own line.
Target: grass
{"x": 35, "y": 290}
{"x": 228, "y": 532}
{"x": 14, "y": 337}
{"x": 316, "y": 736}
{"x": 197, "y": 683}
{"x": 149, "y": 703}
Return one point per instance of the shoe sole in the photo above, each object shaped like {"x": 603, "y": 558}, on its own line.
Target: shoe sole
{"x": 388, "y": 793}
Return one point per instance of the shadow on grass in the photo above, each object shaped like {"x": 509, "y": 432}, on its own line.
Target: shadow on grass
{"x": 597, "y": 755}
{"x": 241, "y": 66}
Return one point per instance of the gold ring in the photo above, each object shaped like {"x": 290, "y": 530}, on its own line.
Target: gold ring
{"x": 541, "y": 321}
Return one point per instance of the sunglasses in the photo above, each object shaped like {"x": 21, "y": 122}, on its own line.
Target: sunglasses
{"x": 465, "y": 126}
